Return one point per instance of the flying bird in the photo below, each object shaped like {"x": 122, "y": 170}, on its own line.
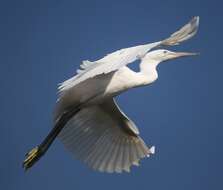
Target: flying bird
{"x": 87, "y": 119}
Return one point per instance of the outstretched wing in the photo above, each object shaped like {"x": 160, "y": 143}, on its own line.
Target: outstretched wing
{"x": 120, "y": 58}
{"x": 104, "y": 138}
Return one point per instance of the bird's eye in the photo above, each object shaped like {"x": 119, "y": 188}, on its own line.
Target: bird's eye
{"x": 165, "y": 52}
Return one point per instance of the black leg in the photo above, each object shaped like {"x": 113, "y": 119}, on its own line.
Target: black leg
{"x": 36, "y": 153}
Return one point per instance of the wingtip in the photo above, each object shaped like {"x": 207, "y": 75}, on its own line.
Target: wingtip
{"x": 195, "y": 20}
{"x": 184, "y": 33}
{"x": 152, "y": 150}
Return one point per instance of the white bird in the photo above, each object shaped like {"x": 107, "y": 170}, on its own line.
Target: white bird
{"x": 89, "y": 122}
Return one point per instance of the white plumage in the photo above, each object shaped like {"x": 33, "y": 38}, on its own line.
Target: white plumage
{"x": 89, "y": 122}
{"x": 120, "y": 58}
{"x": 95, "y": 135}
{"x": 98, "y": 138}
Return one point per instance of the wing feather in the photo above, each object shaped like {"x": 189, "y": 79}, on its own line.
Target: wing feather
{"x": 122, "y": 57}
{"x": 95, "y": 136}
{"x": 111, "y": 164}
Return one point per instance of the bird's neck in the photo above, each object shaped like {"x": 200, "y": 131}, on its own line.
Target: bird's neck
{"x": 148, "y": 70}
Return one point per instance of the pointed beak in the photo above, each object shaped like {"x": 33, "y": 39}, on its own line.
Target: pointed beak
{"x": 183, "y": 54}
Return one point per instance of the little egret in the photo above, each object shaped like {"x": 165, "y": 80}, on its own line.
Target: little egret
{"x": 89, "y": 122}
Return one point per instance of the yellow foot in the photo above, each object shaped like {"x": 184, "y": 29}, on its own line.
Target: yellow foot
{"x": 31, "y": 157}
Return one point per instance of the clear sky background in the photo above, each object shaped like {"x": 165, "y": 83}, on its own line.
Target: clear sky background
{"x": 43, "y": 42}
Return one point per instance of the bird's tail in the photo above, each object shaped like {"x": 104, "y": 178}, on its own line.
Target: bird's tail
{"x": 32, "y": 157}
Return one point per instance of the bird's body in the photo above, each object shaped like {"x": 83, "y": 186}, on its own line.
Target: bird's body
{"x": 96, "y": 90}
{"x": 87, "y": 119}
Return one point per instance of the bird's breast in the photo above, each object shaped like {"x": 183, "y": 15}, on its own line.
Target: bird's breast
{"x": 122, "y": 80}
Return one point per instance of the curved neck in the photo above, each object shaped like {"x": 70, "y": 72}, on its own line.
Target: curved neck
{"x": 148, "y": 70}
{"x": 148, "y": 66}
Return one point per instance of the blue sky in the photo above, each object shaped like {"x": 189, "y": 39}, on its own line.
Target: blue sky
{"x": 43, "y": 43}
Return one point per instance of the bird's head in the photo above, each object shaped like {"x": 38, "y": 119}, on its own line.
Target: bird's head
{"x": 164, "y": 55}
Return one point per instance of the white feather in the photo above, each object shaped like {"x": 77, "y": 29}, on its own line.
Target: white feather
{"x": 122, "y": 57}
{"x": 98, "y": 139}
